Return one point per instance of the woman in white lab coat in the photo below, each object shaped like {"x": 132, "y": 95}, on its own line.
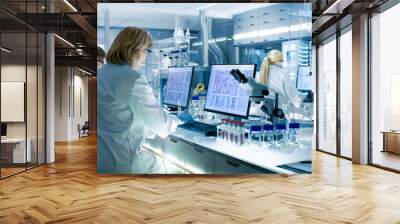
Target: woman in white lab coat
{"x": 277, "y": 79}
{"x": 127, "y": 108}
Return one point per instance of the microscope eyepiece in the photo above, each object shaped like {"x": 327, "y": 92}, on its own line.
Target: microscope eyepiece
{"x": 239, "y": 76}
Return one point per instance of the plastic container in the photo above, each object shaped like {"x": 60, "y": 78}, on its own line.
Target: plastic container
{"x": 165, "y": 61}
{"x": 175, "y": 58}
{"x": 202, "y": 100}
{"x": 293, "y": 133}
{"x": 194, "y": 107}
{"x": 184, "y": 57}
{"x": 268, "y": 134}
{"x": 177, "y": 62}
{"x": 256, "y": 135}
{"x": 280, "y": 135}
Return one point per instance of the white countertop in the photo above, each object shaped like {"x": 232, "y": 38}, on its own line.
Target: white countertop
{"x": 267, "y": 158}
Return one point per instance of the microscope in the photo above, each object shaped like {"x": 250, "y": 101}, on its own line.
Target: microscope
{"x": 259, "y": 93}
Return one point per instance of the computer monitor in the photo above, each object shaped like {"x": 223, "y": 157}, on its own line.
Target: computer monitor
{"x": 3, "y": 129}
{"x": 304, "y": 78}
{"x": 224, "y": 94}
{"x": 178, "y": 86}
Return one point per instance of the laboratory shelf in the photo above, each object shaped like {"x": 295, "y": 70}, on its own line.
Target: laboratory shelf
{"x": 175, "y": 40}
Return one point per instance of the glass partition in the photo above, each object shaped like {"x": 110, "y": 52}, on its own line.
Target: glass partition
{"x": 327, "y": 96}
{"x": 41, "y": 107}
{"x": 346, "y": 93}
{"x": 14, "y": 153}
{"x": 385, "y": 89}
{"x": 22, "y": 89}
{"x": 31, "y": 100}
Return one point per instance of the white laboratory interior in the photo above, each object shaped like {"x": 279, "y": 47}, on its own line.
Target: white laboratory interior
{"x": 243, "y": 71}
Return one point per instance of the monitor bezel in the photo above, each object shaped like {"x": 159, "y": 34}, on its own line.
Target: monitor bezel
{"x": 191, "y": 83}
{"x": 226, "y": 113}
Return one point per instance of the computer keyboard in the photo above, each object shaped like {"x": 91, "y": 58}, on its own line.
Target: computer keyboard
{"x": 198, "y": 127}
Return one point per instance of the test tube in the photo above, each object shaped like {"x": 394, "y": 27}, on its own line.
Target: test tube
{"x": 236, "y": 133}
{"x": 241, "y": 133}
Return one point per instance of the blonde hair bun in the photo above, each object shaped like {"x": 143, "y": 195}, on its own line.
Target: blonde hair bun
{"x": 273, "y": 57}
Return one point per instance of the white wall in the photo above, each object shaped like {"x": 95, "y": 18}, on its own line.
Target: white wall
{"x": 61, "y": 103}
{"x": 17, "y": 73}
{"x": 70, "y": 83}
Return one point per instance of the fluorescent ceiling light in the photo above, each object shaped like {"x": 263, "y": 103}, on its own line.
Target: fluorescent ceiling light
{"x": 70, "y": 5}
{"x": 5, "y": 50}
{"x": 64, "y": 40}
{"x": 207, "y": 6}
{"x": 338, "y": 6}
{"x": 273, "y": 31}
{"x": 86, "y": 72}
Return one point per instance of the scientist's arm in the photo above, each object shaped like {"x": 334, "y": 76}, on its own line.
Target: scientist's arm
{"x": 291, "y": 92}
{"x": 252, "y": 87}
{"x": 148, "y": 111}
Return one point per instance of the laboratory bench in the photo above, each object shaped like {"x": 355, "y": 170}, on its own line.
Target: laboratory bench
{"x": 199, "y": 154}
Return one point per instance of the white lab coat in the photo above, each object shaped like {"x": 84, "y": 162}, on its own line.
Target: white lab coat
{"x": 127, "y": 112}
{"x": 279, "y": 82}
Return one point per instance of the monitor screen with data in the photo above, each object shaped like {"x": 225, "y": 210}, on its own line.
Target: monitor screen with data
{"x": 304, "y": 78}
{"x": 178, "y": 86}
{"x": 224, "y": 94}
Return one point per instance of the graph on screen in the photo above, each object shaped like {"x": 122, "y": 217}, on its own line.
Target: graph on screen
{"x": 178, "y": 86}
{"x": 224, "y": 94}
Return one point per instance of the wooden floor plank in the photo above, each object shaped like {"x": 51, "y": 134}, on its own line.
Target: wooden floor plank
{"x": 70, "y": 191}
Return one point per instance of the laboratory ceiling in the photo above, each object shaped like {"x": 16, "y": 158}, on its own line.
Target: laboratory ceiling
{"x": 162, "y": 15}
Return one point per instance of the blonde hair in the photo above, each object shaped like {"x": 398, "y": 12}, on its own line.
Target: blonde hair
{"x": 128, "y": 43}
{"x": 273, "y": 57}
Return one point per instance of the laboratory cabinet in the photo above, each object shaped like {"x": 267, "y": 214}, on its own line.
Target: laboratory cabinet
{"x": 202, "y": 160}
{"x": 155, "y": 143}
{"x": 193, "y": 157}
{"x": 225, "y": 165}
{"x": 177, "y": 151}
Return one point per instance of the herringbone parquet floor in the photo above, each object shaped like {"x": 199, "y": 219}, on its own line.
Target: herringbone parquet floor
{"x": 70, "y": 191}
